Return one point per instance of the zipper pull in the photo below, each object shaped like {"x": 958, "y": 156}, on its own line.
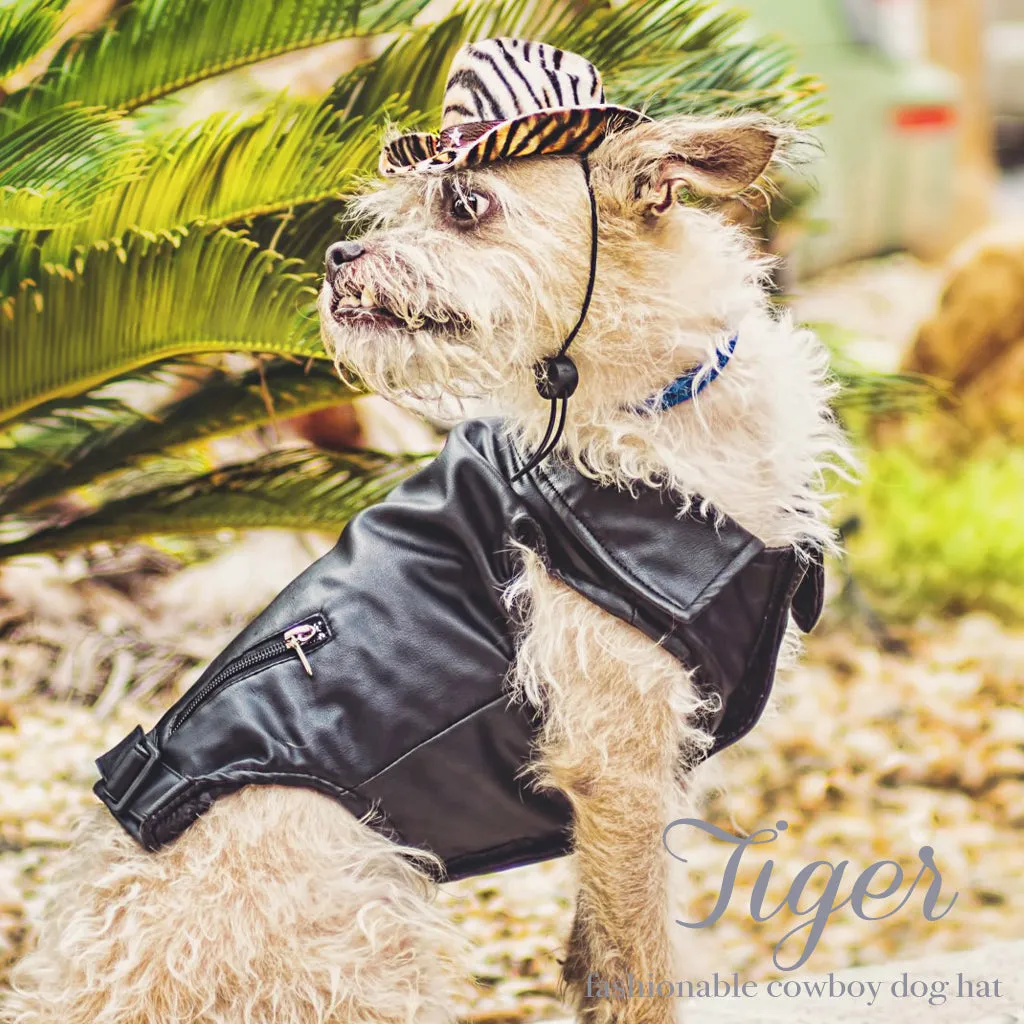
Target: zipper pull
{"x": 296, "y": 637}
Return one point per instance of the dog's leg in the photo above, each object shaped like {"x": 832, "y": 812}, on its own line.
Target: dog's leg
{"x": 616, "y": 707}
{"x": 276, "y": 906}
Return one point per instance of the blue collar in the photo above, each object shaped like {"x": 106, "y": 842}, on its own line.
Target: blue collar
{"x": 683, "y": 388}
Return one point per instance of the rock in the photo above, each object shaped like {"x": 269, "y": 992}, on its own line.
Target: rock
{"x": 974, "y": 340}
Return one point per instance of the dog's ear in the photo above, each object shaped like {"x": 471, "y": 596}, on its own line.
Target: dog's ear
{"x": 718, "y": 160}
{"x": 671, "y": 158}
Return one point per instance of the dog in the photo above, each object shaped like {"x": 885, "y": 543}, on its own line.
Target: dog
{"x": 277, "y": 905}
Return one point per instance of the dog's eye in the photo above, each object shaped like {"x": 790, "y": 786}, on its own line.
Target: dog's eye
{"x": 468, "y": 207}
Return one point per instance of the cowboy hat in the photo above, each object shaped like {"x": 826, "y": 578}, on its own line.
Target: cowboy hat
{"x": 509, "y": 98}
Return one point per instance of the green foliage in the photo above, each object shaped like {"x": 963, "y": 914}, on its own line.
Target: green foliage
{"x": 69, "y": 446}
{"x": 156, "y": 47}
{"x": 668, "y": 56}
{"x": 212, "y": 290}
{"x": 933, "y": 534}
{"x": 130, "y": 250}
{"x": 289, "y": 489}
{"x": 940, "y": 538}
{"x": 224, "y": 170}
{"x": 25, "y": 29}
{"x": 865, "y": 394}
{"x": 53, "y": 166}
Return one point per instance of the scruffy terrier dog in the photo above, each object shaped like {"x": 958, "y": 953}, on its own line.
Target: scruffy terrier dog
{"x": 278, "y": 906}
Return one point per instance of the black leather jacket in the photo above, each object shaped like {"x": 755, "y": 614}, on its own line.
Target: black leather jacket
{"x": 377, "y": 676}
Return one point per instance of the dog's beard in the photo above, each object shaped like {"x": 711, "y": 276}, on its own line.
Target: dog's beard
{"x": 400, "y": 364}
{"x": 414, "y": 322}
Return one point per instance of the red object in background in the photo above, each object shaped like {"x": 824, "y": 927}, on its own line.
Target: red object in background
{"x": 336, "y": 428}
{"x": 911, "y": 119}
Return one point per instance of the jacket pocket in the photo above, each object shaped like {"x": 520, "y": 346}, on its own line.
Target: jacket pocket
{"x": 297, "y": 641}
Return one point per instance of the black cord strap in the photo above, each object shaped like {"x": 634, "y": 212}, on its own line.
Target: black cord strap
{"x": 557, "y": 377}
{"x": 593, "y": 261}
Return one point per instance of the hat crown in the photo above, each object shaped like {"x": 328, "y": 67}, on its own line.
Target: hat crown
{"x": 507, "y": 99}
{"x": 500, "y": 79}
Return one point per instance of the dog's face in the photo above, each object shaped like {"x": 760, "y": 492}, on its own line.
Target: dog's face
{"x": 459, "y": 279}
{"x": 464, "y": 281}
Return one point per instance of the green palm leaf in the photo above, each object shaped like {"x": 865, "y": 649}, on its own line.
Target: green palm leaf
{"x": 54, "y": 166}
{"x": 865, "y": 393}
{"x": 722, "y": 79}
{"x": 675, "y": 47}
{"x": 225, "y": 170}
{"x": 81, "y": 444}
{"x": 156, "y": 47}
{"x": 25, "y": 29}
{"x": 147, "y": 301}
{"x": 302, "y": 232}
{"x": 620, "y": 36}
{"x": 291, "y": 489}
{"x": 415, "y": 66}
{"x": 877, "y": 393}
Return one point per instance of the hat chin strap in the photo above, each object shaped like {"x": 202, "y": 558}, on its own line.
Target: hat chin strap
{"x": 557, "y": 377}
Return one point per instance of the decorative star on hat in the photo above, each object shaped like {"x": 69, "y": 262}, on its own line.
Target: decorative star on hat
{"x": 511, "y": 98}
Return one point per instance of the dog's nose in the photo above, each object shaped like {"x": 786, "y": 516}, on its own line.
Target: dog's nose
{"x": 341, "y": 253}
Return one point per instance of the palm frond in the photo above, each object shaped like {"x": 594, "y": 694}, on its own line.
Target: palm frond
{"x": 80, "y": 444}
{"x": 869, "y": 392}
{"x": 41, "y": 440}
{"x": 683, "y": 58}
{"x": 19, "y": 262}
{"x": 720, "y": 79}
{"x": 674, "y": 48}
{"x": 54, "y": 166}
{"x": 146, "y": 301}
{"x": 156, "y": 47}
{"x": 302, "y": 232}
{"x": 877, "y": 393}
{"x": 414, "y": 67}
{"x": 291, "y": 489}
{"x": 25, "y": 29}
{"x": 618, "y": 37}
{"x": 224, "y": 170}
{"x": 37, "y": 439}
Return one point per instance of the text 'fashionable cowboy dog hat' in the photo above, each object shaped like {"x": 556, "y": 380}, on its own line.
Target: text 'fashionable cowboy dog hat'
{"x": 509, "y": 98}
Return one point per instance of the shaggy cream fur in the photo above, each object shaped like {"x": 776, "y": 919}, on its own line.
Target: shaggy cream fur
{"x": 275, "y": 908}
{"x": 278, "y": 908}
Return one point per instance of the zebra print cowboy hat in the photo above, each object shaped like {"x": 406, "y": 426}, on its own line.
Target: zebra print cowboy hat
{"x": 508, "y": 98}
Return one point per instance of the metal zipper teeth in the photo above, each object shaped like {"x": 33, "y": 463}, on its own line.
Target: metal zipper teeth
{"x": 262, "y": 654}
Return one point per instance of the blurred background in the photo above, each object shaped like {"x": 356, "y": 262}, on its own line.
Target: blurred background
{"x": 174, "y": 446}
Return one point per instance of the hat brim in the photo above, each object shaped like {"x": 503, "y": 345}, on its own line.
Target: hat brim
{"x": 576, "y": 130}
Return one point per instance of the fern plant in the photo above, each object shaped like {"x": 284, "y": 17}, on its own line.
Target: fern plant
{"x": 130, "y": 248}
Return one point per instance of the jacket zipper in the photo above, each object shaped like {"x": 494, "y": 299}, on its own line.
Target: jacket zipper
{"x": 304, "y": 636}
